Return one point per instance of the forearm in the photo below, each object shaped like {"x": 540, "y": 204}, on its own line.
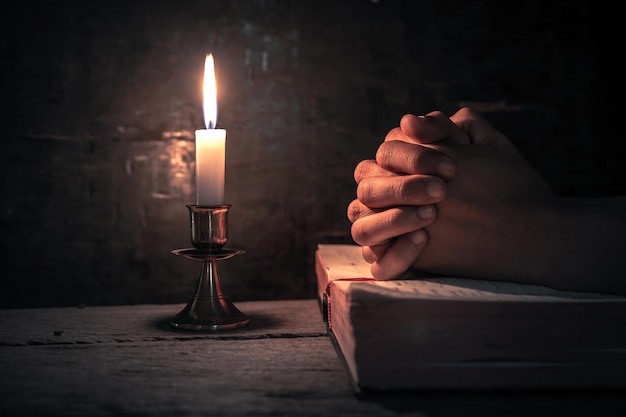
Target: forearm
{"x": 588, "y": 246}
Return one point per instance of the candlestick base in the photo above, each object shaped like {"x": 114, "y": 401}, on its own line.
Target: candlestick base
{"x": 210, "y": 308}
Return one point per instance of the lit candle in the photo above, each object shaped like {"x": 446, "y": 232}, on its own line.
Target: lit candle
{"x": 210, "y": 146}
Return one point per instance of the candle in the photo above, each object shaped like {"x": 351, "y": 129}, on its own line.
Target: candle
{"x": 210, "y": 145}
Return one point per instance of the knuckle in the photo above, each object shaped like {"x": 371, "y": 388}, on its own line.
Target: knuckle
{"x": 354, "y": 210}
{"x": 361, "y": 170}
{"x": 383, "y": 153}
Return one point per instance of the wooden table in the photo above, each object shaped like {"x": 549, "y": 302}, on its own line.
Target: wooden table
{"x": 125, "y": 360}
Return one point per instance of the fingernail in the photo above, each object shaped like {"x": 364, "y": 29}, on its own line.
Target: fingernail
{"x": 434, "y": 188}
{"x": 425, "y": 212}
{"x": 418, "y": 237}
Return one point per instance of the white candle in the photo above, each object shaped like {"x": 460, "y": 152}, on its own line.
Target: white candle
{"x": 210, "y": 166}
{"x": 210, "y": 146}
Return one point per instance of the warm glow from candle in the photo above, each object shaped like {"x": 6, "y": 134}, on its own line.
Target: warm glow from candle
{"x": 210, "y": 145}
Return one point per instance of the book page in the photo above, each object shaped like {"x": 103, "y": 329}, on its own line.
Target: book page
{"x": 344, "y": 262}
{"x": 472, "y": 289}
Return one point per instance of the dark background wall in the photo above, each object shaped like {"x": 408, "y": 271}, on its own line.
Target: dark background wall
{"x": 100, "y": 100}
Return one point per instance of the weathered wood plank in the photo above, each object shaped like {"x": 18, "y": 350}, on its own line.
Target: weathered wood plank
{"x": 125, "y": 361}
{"x": 149, "y": 322}
{"x": 273, "y": 376}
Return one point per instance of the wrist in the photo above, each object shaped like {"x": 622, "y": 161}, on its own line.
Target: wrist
{"x": 584, "y": 247}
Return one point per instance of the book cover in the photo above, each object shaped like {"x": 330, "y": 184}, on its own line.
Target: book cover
{"x": 455, "y": 333}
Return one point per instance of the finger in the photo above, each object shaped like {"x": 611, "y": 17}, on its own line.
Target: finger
{"x": 369, "y": 168}
{"x": 397, "y": 134}
{"x": 433, "y": 127}
{"x": 382, "y": 192}
{"x": 409, "y": 158}
{"x": 481, "y": 132}
{"x": 372, "y": 253}
{"x": 379, "y": 228}
{"x": 356, "y": 210}
{"x": 400, "y": 255}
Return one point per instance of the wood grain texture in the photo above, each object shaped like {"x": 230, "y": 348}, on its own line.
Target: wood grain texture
{"x": 123, "y": 361}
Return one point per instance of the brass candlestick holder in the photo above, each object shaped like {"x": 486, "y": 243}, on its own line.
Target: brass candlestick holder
{"x": 210, "y": 308}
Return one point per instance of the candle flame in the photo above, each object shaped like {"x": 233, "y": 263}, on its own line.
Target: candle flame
{"x": 210, "y": 93}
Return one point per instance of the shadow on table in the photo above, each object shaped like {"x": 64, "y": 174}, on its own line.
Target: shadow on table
{"x": 258, "y": 322}
{"x": 569, "y": 403}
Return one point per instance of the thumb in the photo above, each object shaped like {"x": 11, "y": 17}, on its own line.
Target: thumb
{"x": 480, "y": 131}
{"x": 431, "y": 128}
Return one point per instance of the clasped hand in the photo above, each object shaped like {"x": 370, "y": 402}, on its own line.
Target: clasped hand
{"x": 451, "y": 195}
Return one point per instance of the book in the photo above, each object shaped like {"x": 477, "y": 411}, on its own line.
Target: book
{"x": 451, "y": 333}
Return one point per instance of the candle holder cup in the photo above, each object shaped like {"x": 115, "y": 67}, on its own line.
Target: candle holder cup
{"x": 210, "y": 308}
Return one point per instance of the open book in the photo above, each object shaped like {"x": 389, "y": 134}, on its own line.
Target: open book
{"x": 455, "y": 333}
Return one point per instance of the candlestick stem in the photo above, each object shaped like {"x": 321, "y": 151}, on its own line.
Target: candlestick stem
{"x": 210, "y": 308}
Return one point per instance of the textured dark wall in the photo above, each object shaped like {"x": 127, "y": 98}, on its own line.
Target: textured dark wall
{"x": 100, "y": 100}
